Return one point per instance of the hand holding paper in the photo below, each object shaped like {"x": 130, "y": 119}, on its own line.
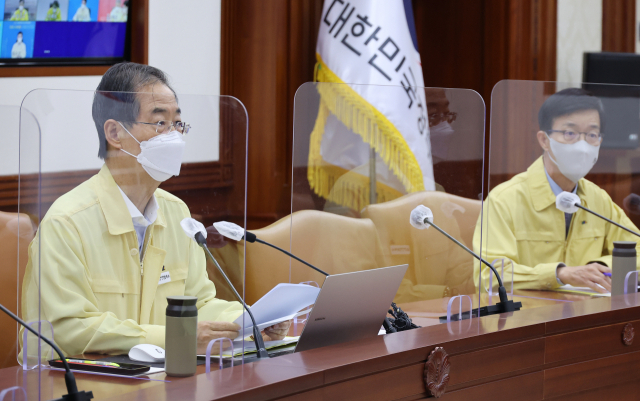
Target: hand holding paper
{"x": 278, "y": 305}
{"x": 276, "y": 332}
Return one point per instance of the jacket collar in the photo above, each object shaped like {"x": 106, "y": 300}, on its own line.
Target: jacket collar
{"x": 114, "y": 207}
{"x": 540, "y": 190}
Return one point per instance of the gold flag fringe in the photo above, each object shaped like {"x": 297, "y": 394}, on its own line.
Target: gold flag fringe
{"x": 332, "y": 182}
{"x": 352, "y": 190}
{"x": 344, "y": 187}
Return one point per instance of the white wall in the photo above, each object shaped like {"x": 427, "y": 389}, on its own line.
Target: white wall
{"x": 184, "y": 42}
{"x": 579, "y": 31}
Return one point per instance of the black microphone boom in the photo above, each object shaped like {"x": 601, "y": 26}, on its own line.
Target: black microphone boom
{"x": 250, "y": 237}
{"x": 606, "y": 219}
{"x": 69, "y": 379}
{"x": 257, "y": 337}
{"x": 505, "y": 305}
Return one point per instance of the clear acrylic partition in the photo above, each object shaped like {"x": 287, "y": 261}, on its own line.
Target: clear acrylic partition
{"x": 16, "y": 229}
{"x": 87, "y": 278}
{"x": 529, "y": 140}
{"x": 359, "y": 169}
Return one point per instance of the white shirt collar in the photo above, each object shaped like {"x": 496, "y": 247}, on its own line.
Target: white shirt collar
{"x": 150, "y": 212}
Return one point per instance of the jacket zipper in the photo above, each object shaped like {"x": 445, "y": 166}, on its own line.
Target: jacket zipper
{"x": 141, "y": 258}
{"x": 147, "y": 240}
{"x": 566, "y": 241}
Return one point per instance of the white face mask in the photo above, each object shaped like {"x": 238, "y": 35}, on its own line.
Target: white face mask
{"x": 21, "y": 8}
{"x": 19, "y": 40}
{"x": 440, "y": 136}
{"x": 160, "y": 156}
{"x": 574, "y": 160}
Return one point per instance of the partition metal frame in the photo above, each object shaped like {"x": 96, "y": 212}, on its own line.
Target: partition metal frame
{"x": 58, "y": 143}
{"x": 339, "y": 129}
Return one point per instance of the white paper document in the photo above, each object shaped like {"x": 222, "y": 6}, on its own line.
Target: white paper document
{"x": 282, "y": 303}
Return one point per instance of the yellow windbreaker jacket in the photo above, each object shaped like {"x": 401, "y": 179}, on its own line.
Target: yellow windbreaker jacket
{"x": 520, "y": 222}
{"x": 95, "y": 290}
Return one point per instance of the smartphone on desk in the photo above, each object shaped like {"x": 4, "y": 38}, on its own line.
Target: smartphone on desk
{"x": 92, "y": 365}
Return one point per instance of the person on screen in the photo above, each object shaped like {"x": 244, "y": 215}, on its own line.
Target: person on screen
{"x": 100, "y": 250}
{"x": 21, "y": 13}
{"x": 19, "y": 49}
{"x": 520, "y": 221}
{"x": 83, "y": 13}
{"x": 53, "y": 14}
{"x": 119, "y": 12}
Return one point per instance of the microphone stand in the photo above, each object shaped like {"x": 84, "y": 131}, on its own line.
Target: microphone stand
{"x": 257, "y": 337}
{"x": 606, "y": 219}
{"x": 505, "y": 305}
{"x": 69, "y": 379}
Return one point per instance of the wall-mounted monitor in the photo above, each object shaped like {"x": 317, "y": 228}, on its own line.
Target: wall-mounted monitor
{"x": 621, "y": 103}
{"x": 64, "y": 32}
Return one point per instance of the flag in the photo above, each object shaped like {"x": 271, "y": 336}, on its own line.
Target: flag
{"x": 363, "y": 44}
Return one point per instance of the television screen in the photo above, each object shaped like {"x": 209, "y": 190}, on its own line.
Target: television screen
{"x": 43, "y": 32}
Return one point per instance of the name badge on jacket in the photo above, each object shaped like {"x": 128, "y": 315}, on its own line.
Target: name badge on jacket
{"x": 165, "y": 277}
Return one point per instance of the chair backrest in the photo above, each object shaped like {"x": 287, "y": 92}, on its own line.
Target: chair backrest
{"x": 433, "y": 259}
{"x": 230, "y": 258}
{"x": 16, "y": 233}
{"x": 333, "y": 243}
{"x": 466, "y": 214}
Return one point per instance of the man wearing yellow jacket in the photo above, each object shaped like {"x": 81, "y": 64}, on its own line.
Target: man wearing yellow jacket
{"x": 103, "y": 246}
{"x": 21, "y": 14}
{"x": 520, "y": 221}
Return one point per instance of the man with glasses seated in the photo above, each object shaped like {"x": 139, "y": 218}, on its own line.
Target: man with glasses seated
{"x": 110, "y": 251}
{"x": 521, "y": 223}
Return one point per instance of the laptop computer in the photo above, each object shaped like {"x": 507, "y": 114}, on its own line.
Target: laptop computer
{"x": 351, "y": 306}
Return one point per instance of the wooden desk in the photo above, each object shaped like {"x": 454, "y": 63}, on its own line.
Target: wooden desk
{"x": 568, "y": 351}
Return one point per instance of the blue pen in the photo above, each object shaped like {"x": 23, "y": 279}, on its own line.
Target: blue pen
{"x": 607, "y": 274}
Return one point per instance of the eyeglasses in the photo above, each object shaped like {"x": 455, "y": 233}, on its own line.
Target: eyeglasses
{"x": 163, "y": 126}
{"x": 436, "y": 118}
{"x": 592, "y": 138}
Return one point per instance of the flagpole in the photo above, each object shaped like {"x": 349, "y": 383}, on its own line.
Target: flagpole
{"x": 373, "y": 196}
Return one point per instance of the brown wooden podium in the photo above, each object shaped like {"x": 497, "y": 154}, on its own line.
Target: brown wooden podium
{"x": 583, "y": 350}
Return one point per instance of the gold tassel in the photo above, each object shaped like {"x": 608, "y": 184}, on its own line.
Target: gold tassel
{"x": 338, "y": 185}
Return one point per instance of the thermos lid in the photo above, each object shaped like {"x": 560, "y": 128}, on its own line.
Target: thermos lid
{"x": 624, "y": 244}
{"x": 182, "y": 306}
{"x": 182, "y": 300}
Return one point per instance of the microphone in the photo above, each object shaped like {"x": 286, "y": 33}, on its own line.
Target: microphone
{"x": 422, "y": 218}
{"x": 196, "y": 231}
{"x": 632, "y": 203}
{"x": 235, "y": 232}
{"x": 69, "y": 379}
{"x": 569, "y": 202}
